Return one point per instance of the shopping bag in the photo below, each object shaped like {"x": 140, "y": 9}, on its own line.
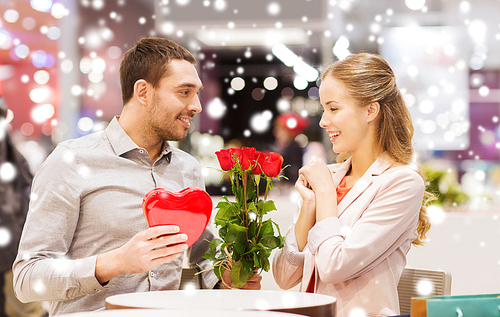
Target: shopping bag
{"x": 483, "y": 305}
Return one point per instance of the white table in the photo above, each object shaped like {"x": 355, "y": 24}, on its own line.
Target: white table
{"x": 177, "y": 313}
{"x": 314, "y": 305}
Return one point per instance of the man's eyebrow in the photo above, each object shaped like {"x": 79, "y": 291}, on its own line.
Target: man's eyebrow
{"x": 189, "y": 85}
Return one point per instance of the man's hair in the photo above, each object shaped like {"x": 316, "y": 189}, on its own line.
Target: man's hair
{"x": 149, "y": 60}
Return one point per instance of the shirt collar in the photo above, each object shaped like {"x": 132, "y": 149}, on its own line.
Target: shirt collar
{"x": 119, "y": 139}
{"x": 122, "y": 143}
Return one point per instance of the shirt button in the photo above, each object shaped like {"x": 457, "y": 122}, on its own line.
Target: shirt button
{"x": 152, "y": 274}
{"x": 141, "y": 151}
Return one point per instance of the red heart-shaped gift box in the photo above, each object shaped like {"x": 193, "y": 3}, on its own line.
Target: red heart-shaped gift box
{"x": 190, "y": 210}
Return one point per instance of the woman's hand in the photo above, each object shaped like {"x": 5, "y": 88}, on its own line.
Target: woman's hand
{"x": 318, "y": 176}
{"x": 252, "y": 283}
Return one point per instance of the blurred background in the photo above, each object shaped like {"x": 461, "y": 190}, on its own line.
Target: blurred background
{"x": 260, "y": 60}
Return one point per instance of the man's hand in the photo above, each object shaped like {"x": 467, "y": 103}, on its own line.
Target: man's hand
{"x": 253, "y": 282}
{"x": 146, "y": 250}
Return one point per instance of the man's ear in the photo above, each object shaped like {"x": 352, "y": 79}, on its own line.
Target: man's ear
{"x": 141, "y": 89}
{"x": 373, "y": 110}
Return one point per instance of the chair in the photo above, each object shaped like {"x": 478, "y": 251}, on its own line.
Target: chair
{"x": 411, "y": 280}
{"x": 189, "y": 279}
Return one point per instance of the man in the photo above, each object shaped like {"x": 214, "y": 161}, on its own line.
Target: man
{"x": 86, "y": 237}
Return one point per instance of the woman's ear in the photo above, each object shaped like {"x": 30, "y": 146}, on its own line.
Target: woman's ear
{"x": 141, "y": 88}
{"x": 373, "y": 110}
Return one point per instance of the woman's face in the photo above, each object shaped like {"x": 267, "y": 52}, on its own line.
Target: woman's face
{"x": 343, "y": 119}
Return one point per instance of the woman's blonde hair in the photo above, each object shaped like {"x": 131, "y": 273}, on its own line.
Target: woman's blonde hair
{"x": 368, "y": 78}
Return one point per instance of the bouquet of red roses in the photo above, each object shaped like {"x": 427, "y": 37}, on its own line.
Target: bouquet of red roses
{"x": 246, "y": 239}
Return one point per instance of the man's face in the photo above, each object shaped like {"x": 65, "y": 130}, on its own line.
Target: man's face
{"x": 174, "y": 102}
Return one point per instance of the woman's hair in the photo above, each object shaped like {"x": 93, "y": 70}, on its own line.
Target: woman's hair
{"x": 149, "y": 60}
{"x": 368, "y": 78}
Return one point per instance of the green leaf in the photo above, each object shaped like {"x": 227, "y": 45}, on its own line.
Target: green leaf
{"x": 252, "y": 230}
{"x": 256, "y": 260}
{"x": 240, "y": 243}
{"x": 269, "y": 206}
{"x": 239, "y": 275}
{"x": 226, "y": 211}
{"x": 270, "y": 242}
{"x": 234, "y": 228}
{"x": 266, "y": 229}
{"x": 219, "y": 272}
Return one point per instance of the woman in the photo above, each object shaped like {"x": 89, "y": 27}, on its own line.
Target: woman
{"x": 358, "y": 218}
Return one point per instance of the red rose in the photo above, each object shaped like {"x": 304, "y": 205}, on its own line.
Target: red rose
{"x": 272, "y": 164}
{"x": 235, "y": 155}
{"x": 247, "y": 157}
{"x": 225, "y": 158}
{"x": 259, "y": 159}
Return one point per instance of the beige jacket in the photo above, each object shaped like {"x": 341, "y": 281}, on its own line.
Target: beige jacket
{"x": 359, "y": 256}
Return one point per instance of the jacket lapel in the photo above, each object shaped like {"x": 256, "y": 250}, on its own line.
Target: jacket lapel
{"x": 377, "y": 168}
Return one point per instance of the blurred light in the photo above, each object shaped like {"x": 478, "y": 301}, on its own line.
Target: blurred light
{"x": 436, "y": 214}
{"x": 285, "y": 55}
{"x": 237, "y": 83}
{"x": 58, "y": 11}
{"x": 42, "y": 113}
{"x": 442, "y": 120}
{"x": 25, "y": 78}
{"x": 98, "y": 65}
{"x": 426, "y": 106}
{"x": 5, "y": 40}
{"x": 283, "y": 105}
{"x": 41, "y": 5}
{"x": 477, "y": 30}
{"x": 476, "y": 61}
{"x": 409, "y": 100}
{"x": 216, "y": 108}
{"x": 5, "y": 235}
{"x": 428, "y": 126}
{"x": 412, "y": 71}
{"x": 85, "y": 124}
{"x": 7, "y": 172}
{"x": 11, "y": 15}
{"x": 220, "y": 5}
{"x": 484, "y": 91}
{"x": 39, "y": 58}
{"x": 270, "y": 83}
{"x": 425, "y": 288}
{"x": 114, "y": 52}
{"x": 306, "y": 71}
{"x": 28, "y": 23}
{"x": 247, "y": 133}
{"x": 433, "y": 91}
{"x": 240, "y": 70}
{"x": 167, "y": 28}
{"x": 230, "y": 25}
{"x": 66, "y": 66}
{"x": 182, "y": 2}
{"x": 258, "y": 94}
{"x": 300, "y": 83}
{"x": 273, "y": 8}
{"x": 487, "y": 137}
{"x": 22, "y": 51}
{"x": 95, "y": 77}
{"x": 341, "y": 48}
{"x": 76, "y": 90}
{"x": 142, "y": 20}
{"x": 415, "y": 4}
{"x": 259, "y": 123}
{"x": 38, "y": 95}
{"x": 41, "y": 77}
{"x": 465, "y": 6}
{"x": 53, "y": 33}
{"x": 27, "y": 129}
{"x": 313, "y": 93}
{"x": 287, "y": 93}
{"x": 97, "y": 4}
{"x": 85, "y": 65}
